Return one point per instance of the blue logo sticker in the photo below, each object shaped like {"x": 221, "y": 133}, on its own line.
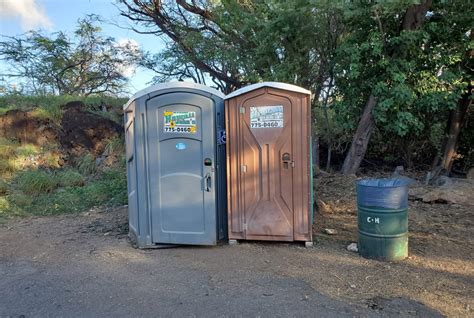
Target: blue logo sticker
{"x": 180, "y": 146}
{"x": 221, "y": 137}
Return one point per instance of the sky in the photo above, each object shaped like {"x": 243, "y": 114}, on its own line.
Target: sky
{"x": 20, "y": 16}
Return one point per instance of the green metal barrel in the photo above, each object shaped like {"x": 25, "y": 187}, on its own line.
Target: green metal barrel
{"x": 382, "y": 213}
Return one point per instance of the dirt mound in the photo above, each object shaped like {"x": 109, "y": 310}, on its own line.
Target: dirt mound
{"x": 84, "y": 131}
{"x": 28, "y": 128}
{"x": 79, "y": 132}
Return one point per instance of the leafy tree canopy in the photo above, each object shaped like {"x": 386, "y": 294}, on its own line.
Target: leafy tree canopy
{"x": 83, "y": 63}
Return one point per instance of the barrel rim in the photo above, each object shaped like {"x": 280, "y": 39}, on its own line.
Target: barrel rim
{"x": 382, "y": 183}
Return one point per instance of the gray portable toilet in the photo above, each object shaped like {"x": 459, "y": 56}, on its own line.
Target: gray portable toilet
{"x": 175, "y": 152}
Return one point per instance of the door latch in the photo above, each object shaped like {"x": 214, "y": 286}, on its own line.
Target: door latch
{"x": 207, "y": 182}
{"x": 286, "y": 159}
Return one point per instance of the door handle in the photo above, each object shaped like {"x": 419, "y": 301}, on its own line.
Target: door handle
{"x": 286, "y": 159}
{"x": 207, "y": 182}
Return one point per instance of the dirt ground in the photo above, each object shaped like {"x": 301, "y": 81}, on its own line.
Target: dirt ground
{"x": 84, "y": 265}
{"x": 439, "y": 271}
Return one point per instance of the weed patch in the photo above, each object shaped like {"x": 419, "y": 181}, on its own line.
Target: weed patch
{"x": 26, "y": 150}
{"x": 70, "y": 178}
{"x": 115, "y": 145}
{"x": 3, "y": 187}
{"x": 64, "y": 192}
{"x": 86, "y": 164}
{"x": 35, "y": 182}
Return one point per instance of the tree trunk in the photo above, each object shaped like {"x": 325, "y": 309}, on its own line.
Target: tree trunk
{"x": 361, "y": 138}
{"x": 450, "y": 142}
{"x": 328, "y": 160}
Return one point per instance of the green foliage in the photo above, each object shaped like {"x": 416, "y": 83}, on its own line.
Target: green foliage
{"x": 38, "y": 192}
{"x": 35, "y": 182}
{"x": 7, "y": 156}
{"x": 241, "y": 42}
{"x": 4, "y": 206}
{"x": 109, "y": 188}
{"x": 7, "y": 148}
{"x": 3, "y": 187}
{"x": 466, "y": 139}
{"x": 115, "y": 146}
{"x": 86, "y": 164}
{"x": 26, "y": 150}
{"x": 49, "y": 112}
{"x": 29, "y": 102}
{"x": 19, "y": 199}
{"x": 83, "y": 63}
{"x": 417, "y": 75}
{"x": 330, "y": 131}
{"x": 70, "y": 178}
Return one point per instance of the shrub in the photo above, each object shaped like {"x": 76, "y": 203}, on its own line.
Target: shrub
{"x": 3, "y": 187}
{"x": 70, "y": 178}
{"x": 7, "y": 167}
{"x": 86, "y": 164}
{"x": 35, "y": 182}
{"x": 51, "y": 112}
{"x": 115, "y": 145}
{"x": 115, "y": 182}
{"x": 7, "y": 148}
{"x": 26, "y": 150}
{"x": 110, "y": 189}
{"x": 4, "y": 205}
{"x": 20, "y": 199}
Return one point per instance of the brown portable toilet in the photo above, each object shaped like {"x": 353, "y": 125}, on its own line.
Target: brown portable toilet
{"x": 269, "y": 173}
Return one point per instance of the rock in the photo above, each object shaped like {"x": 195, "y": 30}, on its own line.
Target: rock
{"x": 470, "y": 174}
{"x": 442, "y": 181}
{"x": 352, "y": 247}
{"x": 99, "y": 160}
{"x": 398, "y": 172}
{"x": 330, "y": 231}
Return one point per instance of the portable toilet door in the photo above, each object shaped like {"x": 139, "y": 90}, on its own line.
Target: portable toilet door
{"x": 269, "y": 181}
{"x": 175, "y": 165}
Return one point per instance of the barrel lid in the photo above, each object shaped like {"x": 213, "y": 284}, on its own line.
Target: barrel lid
{"x": 383, "y": 183}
